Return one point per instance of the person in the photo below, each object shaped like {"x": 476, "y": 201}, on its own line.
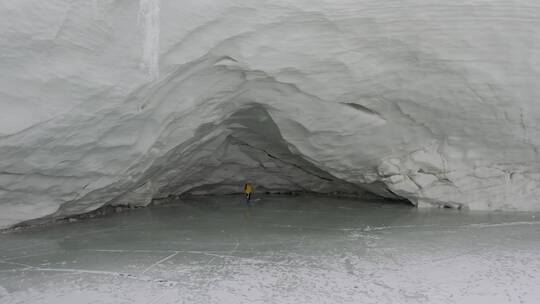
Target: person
{"x": 248, "y": 190}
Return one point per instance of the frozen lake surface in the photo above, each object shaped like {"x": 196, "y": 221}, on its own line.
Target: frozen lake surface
{"x": 280, "y": 250}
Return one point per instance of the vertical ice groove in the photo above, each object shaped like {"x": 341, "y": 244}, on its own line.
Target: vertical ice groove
{"x": 149, "y": 11}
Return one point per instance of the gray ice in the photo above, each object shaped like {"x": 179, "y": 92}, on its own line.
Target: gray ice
{"x": 279, "y": 250}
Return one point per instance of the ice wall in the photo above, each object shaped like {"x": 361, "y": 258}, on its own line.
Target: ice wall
{"x": 114, "y": 102}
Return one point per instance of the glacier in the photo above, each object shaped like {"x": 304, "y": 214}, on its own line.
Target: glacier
{"x": 109, "y": 102}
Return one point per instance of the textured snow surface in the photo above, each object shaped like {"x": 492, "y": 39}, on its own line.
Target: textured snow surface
{"x": 282, "y": 250}
{"x": 114, "y": 102}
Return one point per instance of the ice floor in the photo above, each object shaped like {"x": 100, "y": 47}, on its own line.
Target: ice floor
{"x": 281, "y": 250}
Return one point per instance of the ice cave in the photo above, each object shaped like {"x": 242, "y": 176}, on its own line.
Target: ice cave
{"x": 392, "y": 146}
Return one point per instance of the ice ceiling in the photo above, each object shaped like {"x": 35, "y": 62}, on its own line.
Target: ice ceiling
{"x": 117, "y": 102}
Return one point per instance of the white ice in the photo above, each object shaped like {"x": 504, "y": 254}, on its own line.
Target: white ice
{"x": 118, "y": 102}
{"x": 281, "y": 250}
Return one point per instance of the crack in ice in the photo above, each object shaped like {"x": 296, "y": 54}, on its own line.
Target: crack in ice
{"x": 160, "y": 261}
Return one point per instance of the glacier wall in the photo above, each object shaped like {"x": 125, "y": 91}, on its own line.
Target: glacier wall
{"x": 118, "y": 102}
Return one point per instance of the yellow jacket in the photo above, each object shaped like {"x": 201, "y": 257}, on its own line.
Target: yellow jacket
{"x": 248, "y": 188}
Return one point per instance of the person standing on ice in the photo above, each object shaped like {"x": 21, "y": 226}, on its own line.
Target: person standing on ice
{"x": 248, "y": 190}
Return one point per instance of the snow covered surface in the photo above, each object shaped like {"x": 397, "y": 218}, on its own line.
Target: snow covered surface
{"x": 114, "y": 102}
{"x": 281, "y": 250}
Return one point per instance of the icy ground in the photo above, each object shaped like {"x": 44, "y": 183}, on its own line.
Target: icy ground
{"x": 281, "y": 250}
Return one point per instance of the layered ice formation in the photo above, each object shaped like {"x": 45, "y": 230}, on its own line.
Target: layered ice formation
{"x": 118, "y": 102}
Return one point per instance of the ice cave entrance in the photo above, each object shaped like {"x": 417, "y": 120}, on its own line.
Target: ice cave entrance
{"x": 248, "y": 146}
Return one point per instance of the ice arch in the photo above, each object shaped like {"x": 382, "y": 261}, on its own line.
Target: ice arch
{"x": 434, "y": 101}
